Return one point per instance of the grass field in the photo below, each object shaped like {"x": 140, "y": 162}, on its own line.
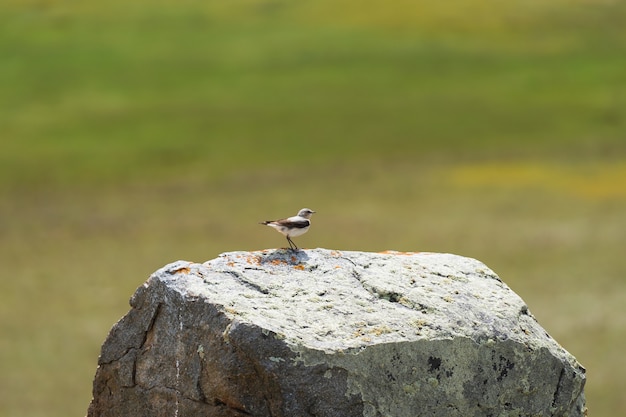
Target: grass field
{"x": 135, "y": 135}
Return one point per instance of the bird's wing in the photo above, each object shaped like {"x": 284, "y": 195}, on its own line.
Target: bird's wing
{"x": 296, "y": 221}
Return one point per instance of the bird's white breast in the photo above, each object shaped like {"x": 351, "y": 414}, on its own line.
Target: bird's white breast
{"x": 295, "y": 232}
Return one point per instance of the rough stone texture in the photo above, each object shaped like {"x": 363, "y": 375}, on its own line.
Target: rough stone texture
{"x": 329, "y": 333}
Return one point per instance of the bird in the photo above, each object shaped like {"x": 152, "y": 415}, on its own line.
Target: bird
{"x": 292, "y": 226}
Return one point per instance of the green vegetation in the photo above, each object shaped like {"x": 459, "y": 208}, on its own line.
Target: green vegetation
{"x": 132, "y": 135}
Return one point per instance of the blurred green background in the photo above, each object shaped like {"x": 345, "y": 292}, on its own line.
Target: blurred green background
{"x": 133, "y": 134}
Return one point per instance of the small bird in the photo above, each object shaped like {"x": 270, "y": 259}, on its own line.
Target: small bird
{"x": 292, "y": 226}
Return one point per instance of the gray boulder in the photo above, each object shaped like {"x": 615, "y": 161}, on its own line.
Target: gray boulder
{"x": 329, "y": 333}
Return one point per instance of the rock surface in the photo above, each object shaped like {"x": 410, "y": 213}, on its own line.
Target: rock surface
{"x": 329, "y": 333}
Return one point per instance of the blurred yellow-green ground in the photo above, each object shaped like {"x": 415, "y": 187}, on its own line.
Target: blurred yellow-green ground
{"x": 133, "y": 134}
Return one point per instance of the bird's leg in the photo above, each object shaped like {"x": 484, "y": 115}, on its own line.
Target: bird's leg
{"x": 294, "y": 247}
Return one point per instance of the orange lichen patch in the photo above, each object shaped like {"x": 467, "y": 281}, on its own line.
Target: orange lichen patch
{"x": 359, "y": 332}
{"x": 395, "y": 252}
{"x": 256, "y": 260}
{"x": 380, "y": 330}
{"x": 363, "y": 337}
{"x": 183, "y": 270}
{"x": 335, "y": 253}
{"x": 231, "y": 264}
{"x": 278, "y": 262}
{"x": 299, "y": 267}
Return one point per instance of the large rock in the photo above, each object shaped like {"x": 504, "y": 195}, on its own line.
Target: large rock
{"x": 329, "y": 333}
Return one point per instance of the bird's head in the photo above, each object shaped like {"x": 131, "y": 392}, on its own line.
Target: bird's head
{"x": 306, "y": 213}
